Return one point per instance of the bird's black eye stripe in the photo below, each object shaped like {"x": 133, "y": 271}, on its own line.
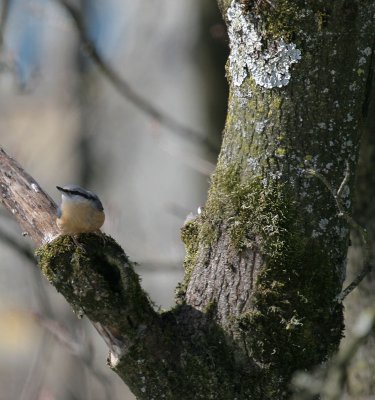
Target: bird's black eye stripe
{"x": 76, "y": 193}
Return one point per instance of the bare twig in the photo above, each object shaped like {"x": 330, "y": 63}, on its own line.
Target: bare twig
{"x": 337, "y": 195}
{"x": 342, "y": 212}
{"x": 344, "y": 181}
{"x": 126, "y": 90}
{"x": 356, "y": 281}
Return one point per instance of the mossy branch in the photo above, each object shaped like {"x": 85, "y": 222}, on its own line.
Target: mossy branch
{"x": 96, "y": 277}
{"x": 98, "y": 281}
{"x": 169, "y": 355}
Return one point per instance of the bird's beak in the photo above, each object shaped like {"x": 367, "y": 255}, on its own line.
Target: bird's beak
{"x": 59, "y": 188}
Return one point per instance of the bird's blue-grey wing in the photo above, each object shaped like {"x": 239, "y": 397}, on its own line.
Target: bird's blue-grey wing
{"x": 58, "y": 212}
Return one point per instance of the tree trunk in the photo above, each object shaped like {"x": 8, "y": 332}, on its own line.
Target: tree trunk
{"x": 268, "y": 252}
{"x": 266, "y": 257}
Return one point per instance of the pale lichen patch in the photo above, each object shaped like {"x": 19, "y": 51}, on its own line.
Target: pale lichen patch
{"x": 367, "y": 51}
{"x": 35, "y": 187}
{"x": 267, "y": 61}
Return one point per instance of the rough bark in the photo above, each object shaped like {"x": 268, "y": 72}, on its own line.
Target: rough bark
{"x": 266, "y": 257}
{"x": 33, "y": 209}
{"x": 269, "y": 250}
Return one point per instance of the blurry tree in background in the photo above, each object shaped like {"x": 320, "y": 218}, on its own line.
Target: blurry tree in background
{"x": 266, "y": 257}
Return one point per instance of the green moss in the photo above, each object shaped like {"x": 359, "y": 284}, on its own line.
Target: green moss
{"x": 282, "y": 17}
{"x": 292, "y": 325}
{"x": 280, "y": 152}
{"x": 224, "y": 204}
{"x": 64, "y": 245}
{"x": 189, "y": 236}
{"x": 96, "y": 278}
{"x": 250, "y": 210}
{"x": 246, "y": 208}
{"x": 278, "y": 19}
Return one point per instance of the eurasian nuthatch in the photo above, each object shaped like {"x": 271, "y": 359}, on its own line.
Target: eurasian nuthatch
{"x": 80, "y": 210}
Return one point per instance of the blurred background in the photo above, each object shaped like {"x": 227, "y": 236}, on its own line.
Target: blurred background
{"x": 147, "y": 151}
{"x": 65, "y": 122}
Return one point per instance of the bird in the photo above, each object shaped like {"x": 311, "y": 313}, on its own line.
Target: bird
{"x": 80, "y": 211}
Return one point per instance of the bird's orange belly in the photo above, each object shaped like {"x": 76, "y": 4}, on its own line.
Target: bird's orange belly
{"x": 79, "y": 218}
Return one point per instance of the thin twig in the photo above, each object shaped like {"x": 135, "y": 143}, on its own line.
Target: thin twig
{"x": 126, "y": 90}
{"x": 353, "y": 224}
{"x": 356, "y": 281}
{"x": 342, "y": 212}
{"x": 344, "y": 181}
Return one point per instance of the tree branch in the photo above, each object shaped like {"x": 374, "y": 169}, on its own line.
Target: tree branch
{"x": 33, "y": 209}
{"x": 89, "y": 280}
{"x": 177, "y": 352}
